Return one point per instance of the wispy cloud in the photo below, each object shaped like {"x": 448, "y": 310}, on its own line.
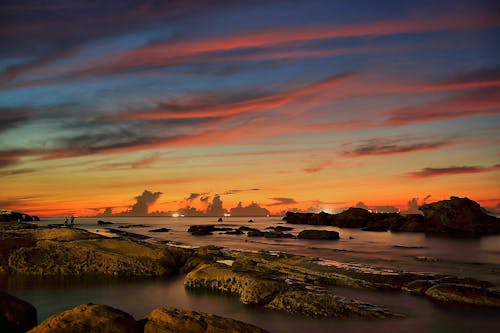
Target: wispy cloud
{"x": 395, "y": 146}
{"x": 452, "y": 170}
{"x": 282, "y": 201}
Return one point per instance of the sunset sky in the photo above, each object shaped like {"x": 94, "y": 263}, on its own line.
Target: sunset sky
{"x": 288, "y": 104}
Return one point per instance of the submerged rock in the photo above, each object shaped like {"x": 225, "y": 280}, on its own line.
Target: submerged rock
{"x": 464, "y": 294}
{"x": 16, "y": 315}
{"x": 172, "y": 320}
{"x": 89, "y": 318}
{"x": 318, "y": 234}
{"x": 326, "y": 305}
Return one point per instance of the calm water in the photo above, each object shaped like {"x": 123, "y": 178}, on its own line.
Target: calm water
{"x": 467, "y": 257}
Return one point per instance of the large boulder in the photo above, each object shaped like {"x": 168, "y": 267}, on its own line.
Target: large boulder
{"x": 459, "y": 215}
{"x": 16, "y": 315}
{"x": 172, "y": 320}
{"x": 318, "y": 234}
{"x": 89, "y": 318}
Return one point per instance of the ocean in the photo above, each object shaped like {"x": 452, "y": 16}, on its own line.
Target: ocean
{"x": 471, "y": 257}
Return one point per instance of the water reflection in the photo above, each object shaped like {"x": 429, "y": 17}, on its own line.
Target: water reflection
{"x": 139, "y": 297}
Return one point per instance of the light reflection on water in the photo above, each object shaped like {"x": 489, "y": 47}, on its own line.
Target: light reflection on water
{"x": 477, "y": 258}
{"x": 140, "y": 297}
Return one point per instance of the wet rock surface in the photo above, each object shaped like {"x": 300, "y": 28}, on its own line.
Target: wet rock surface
{"x": 318, "y": 234}
{"x": 172, "y": 320}
{"x": 75, "y": 252}
{"x": 464, "y": 294}
{"x": 89, "y": 318}
{"x": 16, "y": 315}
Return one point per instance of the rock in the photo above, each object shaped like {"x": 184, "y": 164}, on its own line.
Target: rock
{"x": 426, "y": 259}
{"x": 353, "y": 218}
{"x": 89, "y": 318}
{"x": 160, "y": 230}
{"x": 205, "y": 229}
{"x": 128, "y": 235}
{"x": 318, "y": 234}
{"x": 459, "y": 215}
{"x": 220, "y": 219}
{"x": 171, "y": 320}
{"x": 245, "y": 228}
{"x": 418, "y": 287}
{"x": 16, "y": 315}
{"x": 280, "y": 228}
{"x": 234, "y": 232}
{"x": 277, "y": 234}
{"x": 326, "y": 305}
{"x": 255, "y": 233}
{"x": 62, "y": 252}
{"x": 464, "y": 294}
{"x": 250, "y": 221}
{"x": 101, "y": 222}
{"x": 409, "y": 223}
{"x": 133, "y": 226}
{"x": 13, "y": 216}
{"x": 251, "y": 288}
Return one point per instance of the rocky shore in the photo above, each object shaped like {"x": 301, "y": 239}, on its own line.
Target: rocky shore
{"x": 276, "y": 281}
{"x": 457, "y": 216}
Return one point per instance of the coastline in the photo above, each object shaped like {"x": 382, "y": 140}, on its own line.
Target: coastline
{"x": 211, "y": 268}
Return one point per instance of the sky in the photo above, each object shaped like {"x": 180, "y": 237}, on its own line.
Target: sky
{"x": 136, "y": 107}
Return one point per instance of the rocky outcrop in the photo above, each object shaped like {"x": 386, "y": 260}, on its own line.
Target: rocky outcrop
{"x": 464, "y": 294}
{"x": 250, "y": 288}
{"x": 16, "y": 315}
{"x": 13, "y": 216}
{"x": 89, "y": 318}
{"x": 279, "y": 283}
{"x": 172, "y": 320}
{"x": 459, "y": 215}
{"x": 454, "y": 216}
{"x": 318, "y": 234}
{"x": 75, "y": 252}
{"x": 326, "y": 305}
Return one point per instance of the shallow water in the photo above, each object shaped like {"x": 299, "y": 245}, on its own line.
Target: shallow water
{"x": 140, "y": 297}
{"x": 472, "y": 257}
{"x": 466, "y": 257}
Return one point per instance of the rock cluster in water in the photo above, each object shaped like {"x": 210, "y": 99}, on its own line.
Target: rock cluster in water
{"x": 454, "y": 216}
{"x": 278, "y": 281}
{"x": 19, "y": 316}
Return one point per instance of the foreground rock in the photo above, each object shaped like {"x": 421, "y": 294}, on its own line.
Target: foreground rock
{"x": 279, "y": 289}
{"x": 89, "y": 318}
{"x": 172, "y": 320}
{"x": 318, "y": 234}
{"x": 464, "y": 294}
{"x": 16, "y": 315}
{"x": 75, "y": 252}
{"x": 454, "y": 216}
